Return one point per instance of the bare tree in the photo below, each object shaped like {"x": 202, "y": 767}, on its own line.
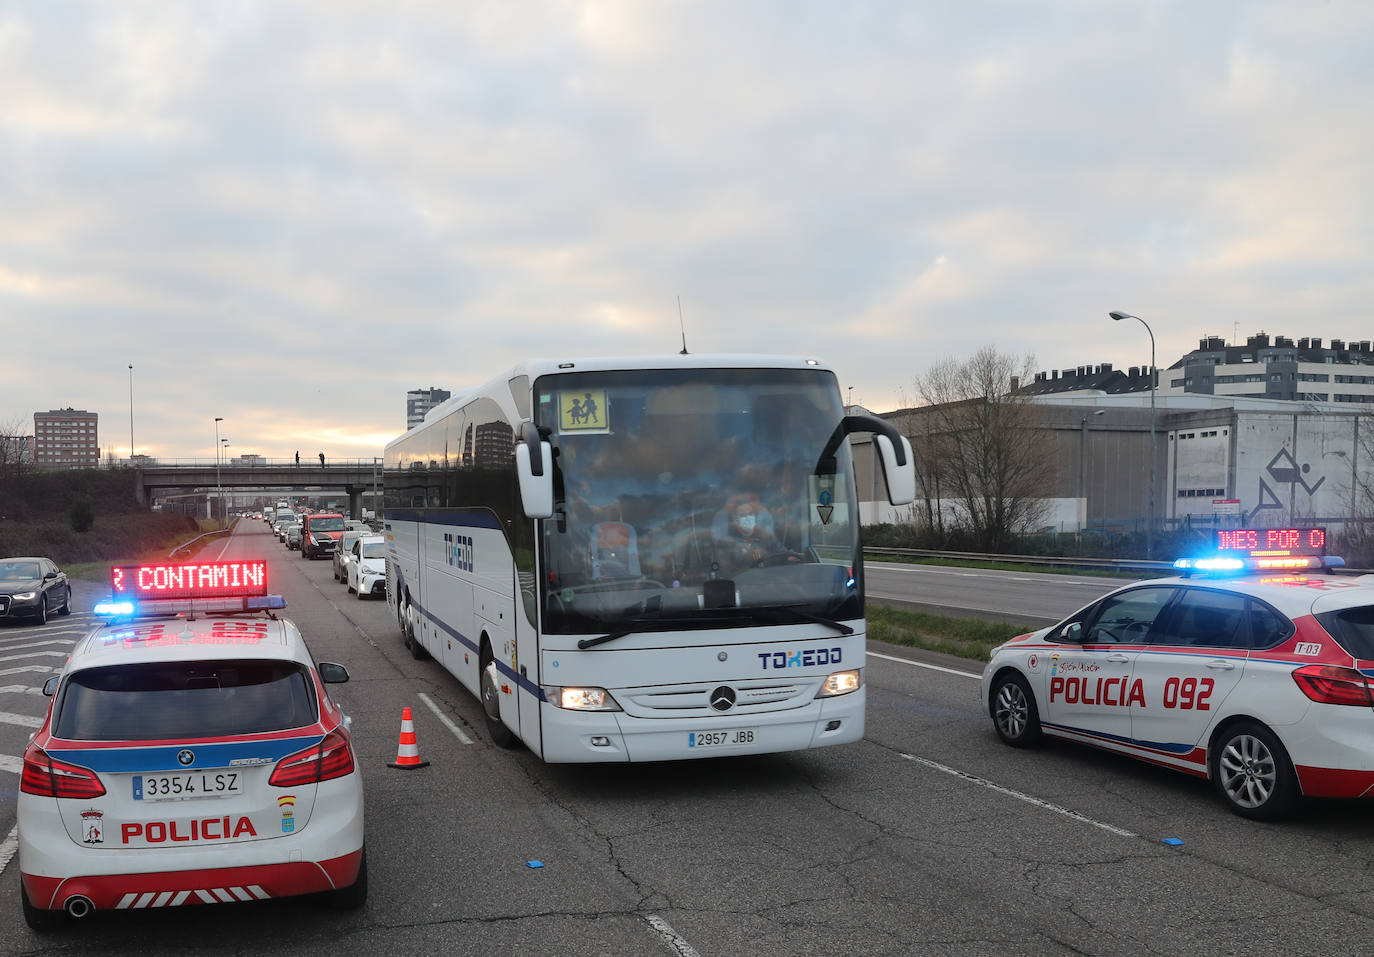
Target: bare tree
{"x": 984, "y": 460}
{"x": 1359, "y": 532}
{"x": 14, "y": 446}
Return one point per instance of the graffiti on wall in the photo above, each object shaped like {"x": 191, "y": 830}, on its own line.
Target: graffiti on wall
{"x": 1283, "y": 469}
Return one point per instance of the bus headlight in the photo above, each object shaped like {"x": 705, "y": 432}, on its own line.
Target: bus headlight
{"x": 581, "y": 699}
{"x": 842, "y": 682}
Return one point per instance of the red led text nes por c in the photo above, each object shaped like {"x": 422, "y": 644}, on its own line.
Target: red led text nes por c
{"x": 1292, "y": 541}
{"x": 1239, "y": 539}
{"x": 235, "y": 579}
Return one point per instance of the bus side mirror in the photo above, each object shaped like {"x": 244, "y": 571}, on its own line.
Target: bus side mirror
{"x": 901, "y": 479}
{"x": 534, "y": 467}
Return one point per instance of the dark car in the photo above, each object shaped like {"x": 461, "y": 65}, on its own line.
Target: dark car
{"x": 33, "y": 588}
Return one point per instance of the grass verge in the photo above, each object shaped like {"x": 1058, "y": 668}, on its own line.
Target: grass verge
{"x": 1016, "y": 567}
{"x": 964, "y": 637}
{"x": 100, "y": 571}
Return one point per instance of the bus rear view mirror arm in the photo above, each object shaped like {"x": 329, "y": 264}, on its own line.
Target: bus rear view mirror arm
{"x": 894, "y": 454}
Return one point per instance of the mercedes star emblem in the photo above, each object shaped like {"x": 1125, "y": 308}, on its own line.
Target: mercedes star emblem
{"x": 723, "y": 698}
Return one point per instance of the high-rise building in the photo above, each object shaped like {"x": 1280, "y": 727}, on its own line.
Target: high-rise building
{"x": 66, "y": 439}
{"x": 420, "y": 401}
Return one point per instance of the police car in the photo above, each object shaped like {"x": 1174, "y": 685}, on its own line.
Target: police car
{"x": 191, "y": 754}
{"x": 1254, "y": 668}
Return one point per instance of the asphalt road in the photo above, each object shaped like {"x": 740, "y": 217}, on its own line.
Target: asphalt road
{"x": 1021, "y": 597}
{"x": 928, "y": 837}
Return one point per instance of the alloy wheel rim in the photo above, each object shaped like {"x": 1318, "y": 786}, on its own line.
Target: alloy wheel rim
{"x": 1249, "y": 773}
{"x": 1011, "y": 710}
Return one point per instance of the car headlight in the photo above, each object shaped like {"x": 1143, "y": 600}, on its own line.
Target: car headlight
{"x": 24, "y": 595}
{"x": 842, "y": 682}
{"x": 581, "y": 699}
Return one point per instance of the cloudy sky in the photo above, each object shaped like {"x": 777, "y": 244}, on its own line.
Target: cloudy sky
{"x": 288, "y": 214}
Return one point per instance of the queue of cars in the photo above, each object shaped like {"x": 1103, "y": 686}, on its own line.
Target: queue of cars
{"x": 357, "y": 553}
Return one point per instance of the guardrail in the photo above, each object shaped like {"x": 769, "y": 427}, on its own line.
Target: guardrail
{"x": 185, "y": 547}
{"x": 1055, "y": 561}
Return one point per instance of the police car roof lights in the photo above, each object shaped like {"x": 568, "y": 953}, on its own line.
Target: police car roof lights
{"x": 1238, "y": 550}
{"x": 170, "y": 588}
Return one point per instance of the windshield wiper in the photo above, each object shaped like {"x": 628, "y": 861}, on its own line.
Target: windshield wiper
{"x": 652, "y": 624}
{"x": 771, "y": 616}
{"x": 791, "y": 616}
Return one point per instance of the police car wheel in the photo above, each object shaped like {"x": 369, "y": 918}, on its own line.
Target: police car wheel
{"x": 37, "y": 918}
{"x": 1253, "y": 773}
{"x": 1014, "y": 714}
{"x": 355, "y": 895}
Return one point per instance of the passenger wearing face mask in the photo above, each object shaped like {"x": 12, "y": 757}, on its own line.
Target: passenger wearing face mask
{"x": 749, "y": 541}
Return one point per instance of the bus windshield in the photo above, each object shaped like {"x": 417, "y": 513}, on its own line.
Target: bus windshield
{"x": 696, "y": 498}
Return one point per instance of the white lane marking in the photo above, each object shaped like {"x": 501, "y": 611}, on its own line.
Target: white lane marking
{"x": 672, "y": 938}
{"x": 38, "y": 644}
{"x": 37, "y": 654}
{"x": 27, "y": 721}
{"x": 1019, "y": 795}
{"x": 10, "y": 763}
{"x": 40, "y": 669}
{"x": 8, "y": 846}
{"x": 444, "y": 718}
{"x": 47, "y": 634}
{"x": 20, "y": 689}
{"x": 922, "y": 664}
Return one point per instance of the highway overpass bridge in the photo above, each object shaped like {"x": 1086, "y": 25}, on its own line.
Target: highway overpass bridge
{"x": 353, "y": 478}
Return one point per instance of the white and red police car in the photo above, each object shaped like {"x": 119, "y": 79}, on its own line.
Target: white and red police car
{"x": 191, "y": 754}
{"x": 1254, "y": 668}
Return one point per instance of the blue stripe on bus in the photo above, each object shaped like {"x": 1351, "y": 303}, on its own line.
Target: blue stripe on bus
{"x": 505, "y": 669}
{"x": 163, "y": 757}
{"x": 463, "y": 517}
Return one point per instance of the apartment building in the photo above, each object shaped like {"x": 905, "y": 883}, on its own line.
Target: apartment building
{"x": 66, "y": 438}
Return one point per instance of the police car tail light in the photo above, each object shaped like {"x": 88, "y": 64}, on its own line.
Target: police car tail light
{"x": 842, "y": 682}
{"x": 331, "y": 758}
{"x": 1331, "y": 684}
{"x": 581, "y": 699}
{"x": 46, "y": 776}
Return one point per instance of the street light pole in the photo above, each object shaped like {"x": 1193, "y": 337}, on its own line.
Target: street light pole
{"x": 219, "y": 492}
{"x": 1083, "y": 462}
{"x": 131, "y": 415}
{"x": 1149, "y": 529}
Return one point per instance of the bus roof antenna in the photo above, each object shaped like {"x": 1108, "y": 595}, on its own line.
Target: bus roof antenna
{"x": 682, "y": 326}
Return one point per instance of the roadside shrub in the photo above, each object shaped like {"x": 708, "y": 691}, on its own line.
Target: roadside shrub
{"x": 82, "y": 516}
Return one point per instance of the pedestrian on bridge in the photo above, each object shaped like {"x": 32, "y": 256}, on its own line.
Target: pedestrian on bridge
{"x": 321, "y": 460}
{"x": 298, "y": 460}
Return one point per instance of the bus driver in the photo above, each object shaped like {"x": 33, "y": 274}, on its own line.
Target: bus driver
{"x": 748, "y": 541}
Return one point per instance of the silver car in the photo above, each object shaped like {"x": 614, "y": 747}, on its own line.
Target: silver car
{"x": 342, "y": 553}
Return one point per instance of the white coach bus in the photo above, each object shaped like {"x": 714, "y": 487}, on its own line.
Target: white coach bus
{"x": 641, "y": 558}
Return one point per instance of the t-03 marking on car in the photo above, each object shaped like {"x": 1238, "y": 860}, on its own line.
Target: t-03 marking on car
{"x": 1260, "y": 682}
{"x": 143, "y": 787}
{"x": 806, "y": 658}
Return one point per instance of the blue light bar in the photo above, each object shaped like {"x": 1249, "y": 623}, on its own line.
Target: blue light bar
{"x": 1222, "y": 565}
{"x": 173, "y": 606}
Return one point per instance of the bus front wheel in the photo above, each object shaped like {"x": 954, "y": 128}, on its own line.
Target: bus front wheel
{"x": 501, "y": 735}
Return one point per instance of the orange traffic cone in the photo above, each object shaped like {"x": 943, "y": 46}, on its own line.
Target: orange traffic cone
{"x": 407, "y": 752}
